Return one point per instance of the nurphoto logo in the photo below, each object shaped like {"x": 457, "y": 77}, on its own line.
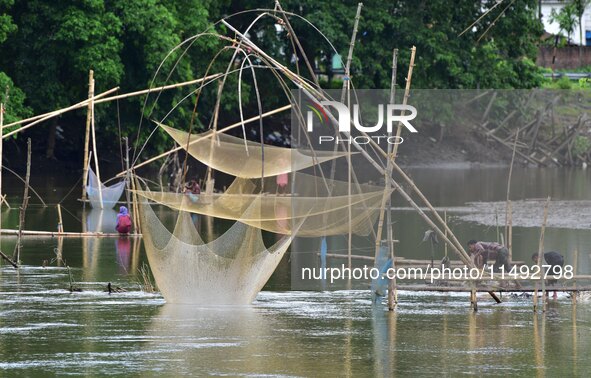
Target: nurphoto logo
{"x": 389, "y": 113}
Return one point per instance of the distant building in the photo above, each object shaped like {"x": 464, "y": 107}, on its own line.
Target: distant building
{"x": 553, "y": 28}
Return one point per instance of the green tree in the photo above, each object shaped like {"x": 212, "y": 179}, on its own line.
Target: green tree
{"x": 566, "y": 19}
{"x": 504, "y": 57}
{"x": 579, "y": 9}
{"x": 57, "y": 43}
{"x": 11, "y": 96}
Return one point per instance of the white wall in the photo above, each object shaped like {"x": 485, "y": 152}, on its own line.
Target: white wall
{"x": 553, "y": 28}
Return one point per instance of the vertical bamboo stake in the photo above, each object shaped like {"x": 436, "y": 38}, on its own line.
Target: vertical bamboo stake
{"x": 87, "y": 134}
{"x": 1, "y": 143}
{"x": 540, "y": 258}
{"x": 575, "y": 264}
{"x": 60, "y": 250}
{"x": 60, "y": 225}
{"x": 445, "y": 244}
{"x": 510, "y": 230}
{"x": 347, "y": 81}
{"x": 392, "y": 157}
{"x": 508, "y": 206}
{"x": 392, "y": 290}
{"x": 96, "y": 162}
{"x": 413, "y": 52}
{"x": 312, "y": 92}
{"x": 127, "y": 172}
{"x": 136, "y": 217}
{"x": 349, "y": 213}
{"x": 497, "y": 223}
{"x": 17, "y": 250}
{"x": 473, "y": 299}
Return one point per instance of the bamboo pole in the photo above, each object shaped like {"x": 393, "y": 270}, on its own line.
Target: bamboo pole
{"x": 297, "y": 41}
{"x": 60, "y": 250}
{"x": 135, "y": 204}
{"x": 508, "y": 204}
{"x": 1, "y": 144}
{"x": 540, "y": 258}
{"x": 391, "y": 156}
{"x": 392, "y": 289}
{"x": 157, "y": 89}
{"x": 575, "y": 268}
{"x": 349, "y": 210}
{"x": 96, "y": 162}
{"x": 525, "y": 156}
{"x": 413, "y": 52}
{"x": 23, "y": 209}
{"x": 510, "y": 231}
{"x": 232, "y": 126}
{"x": 30, "y": 188}
{"x": 445, "y": 220}
{"x": 55, "y": 113}
{"x": 60, "y": 225}
{"x": 347, "y": 92}
{"x": 128, "y": 176}
{"x": 87, "y": 133}
{"x": 99, "y": 99}
{"x": 55, "y": 234}
{"x": 308, "y": 90}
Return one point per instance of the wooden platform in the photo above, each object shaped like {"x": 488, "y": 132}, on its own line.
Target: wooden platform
{"x": 55, "y": 234}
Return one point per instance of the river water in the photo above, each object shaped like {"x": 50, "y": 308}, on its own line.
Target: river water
{"x": 46, "y": 330}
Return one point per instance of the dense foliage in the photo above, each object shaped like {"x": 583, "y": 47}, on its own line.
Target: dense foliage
{"x": 48, "y": 47}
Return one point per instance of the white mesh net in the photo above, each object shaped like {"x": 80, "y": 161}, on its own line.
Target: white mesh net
{"x": 229, "y": 270}
{"x": 110, "y": 194}
{"x": 230, "y": 155}
{"x": 319, "y": 215}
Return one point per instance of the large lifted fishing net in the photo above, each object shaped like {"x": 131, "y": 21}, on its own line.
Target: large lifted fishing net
{"x": 229, "y": 270}
{"x": 235, "y": 266}
{"x": 310, "y": 213}
{"x": 243, "y": 158}
{"x": 110, "y": 194}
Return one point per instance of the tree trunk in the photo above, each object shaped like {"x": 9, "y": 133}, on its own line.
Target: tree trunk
{"x": 581, "y": 40}
{"x": 49, "y": 153}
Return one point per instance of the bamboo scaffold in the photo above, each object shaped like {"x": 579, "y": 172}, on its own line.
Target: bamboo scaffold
{"x": 384, "y": 163}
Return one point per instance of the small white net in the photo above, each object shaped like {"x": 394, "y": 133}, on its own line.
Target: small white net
{"x": 110, "y": 194}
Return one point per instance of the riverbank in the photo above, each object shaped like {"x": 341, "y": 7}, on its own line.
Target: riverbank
{"x": 461, "y": 148}
{"x": 457, "y": 148}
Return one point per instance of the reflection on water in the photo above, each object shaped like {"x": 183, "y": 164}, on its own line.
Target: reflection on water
{"x": 101, "y": 220}
{"x": 45, "y": 330}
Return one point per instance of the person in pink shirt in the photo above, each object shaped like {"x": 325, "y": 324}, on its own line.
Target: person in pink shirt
{"x": 282, "y": 180}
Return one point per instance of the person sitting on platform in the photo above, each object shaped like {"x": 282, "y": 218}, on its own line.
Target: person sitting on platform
{"x": 556, "y": 262}
{"x": 123, "y": 221}
{"x": 192, "y": 189}
{"x": 482, "y": 251}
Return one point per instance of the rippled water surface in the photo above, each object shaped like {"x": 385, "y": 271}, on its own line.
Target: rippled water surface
{"x": 46, "y": 330}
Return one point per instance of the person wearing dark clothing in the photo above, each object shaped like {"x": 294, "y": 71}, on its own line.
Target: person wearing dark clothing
{"x": 192, "y": 190}
{"x": 482, "y": 251}
{"x": 123, "y": 221}
{"x": 556, "y": 262}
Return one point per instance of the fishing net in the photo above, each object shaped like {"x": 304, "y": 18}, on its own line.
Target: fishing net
{"x": 110, "y": 194}
{"x": 241, "y": 158}
{"x": 314, "y": 212}
{"x": 232, "y": 269}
